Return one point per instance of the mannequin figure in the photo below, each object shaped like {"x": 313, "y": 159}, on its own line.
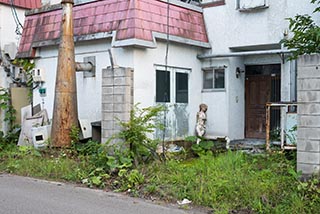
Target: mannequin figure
{"x": 201, "y": 121}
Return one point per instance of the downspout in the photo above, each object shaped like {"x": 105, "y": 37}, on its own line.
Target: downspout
{"x": 65, "y": 114}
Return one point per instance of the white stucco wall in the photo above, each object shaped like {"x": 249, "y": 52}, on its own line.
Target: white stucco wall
{"x": 7, "y": 36}
{"x": 143, "y": 62}
{"x": 88, "y": 89}
{"x": 227, "y": 27}
{"x": 181, "y": 56}
{"x": 236, "y": 99}
{"x": 8, "y": 25}
{"x": 217, "y": 101}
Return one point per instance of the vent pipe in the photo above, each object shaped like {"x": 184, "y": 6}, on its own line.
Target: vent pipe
{"x": 65, "y": 114}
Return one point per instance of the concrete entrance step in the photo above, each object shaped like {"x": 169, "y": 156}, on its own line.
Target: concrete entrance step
{"x": 247, "y": 143}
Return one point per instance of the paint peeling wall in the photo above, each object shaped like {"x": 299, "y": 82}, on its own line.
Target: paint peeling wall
{"x": 183, "y": 117}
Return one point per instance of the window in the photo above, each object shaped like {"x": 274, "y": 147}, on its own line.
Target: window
{"x": 212, "y": 3}
{"x": 181, "y": 88}
{"x": 251, "y": 4}
{"x": 162, "y": 86}
{"x": 214, "y": 78}
{"x": 196, "y": 2}
{"x": 172, "y": 85}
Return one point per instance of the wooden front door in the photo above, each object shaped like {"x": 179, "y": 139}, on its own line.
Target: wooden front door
{"x": 258, "y": 93}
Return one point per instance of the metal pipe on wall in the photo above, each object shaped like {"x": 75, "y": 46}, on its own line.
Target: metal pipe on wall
{"x": 83, "y": 66}
{"x": 65, "y": 114}
{"x": 244, "y": 53}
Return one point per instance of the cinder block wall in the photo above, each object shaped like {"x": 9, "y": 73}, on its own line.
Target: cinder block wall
{"x": 117, "y": 100}
{"x": 308, "y": 134}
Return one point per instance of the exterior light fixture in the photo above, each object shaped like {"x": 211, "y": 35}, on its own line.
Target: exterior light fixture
{"x": 238, "y": 72}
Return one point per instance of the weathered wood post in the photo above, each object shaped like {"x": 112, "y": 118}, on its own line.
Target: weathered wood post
{"x": 65, "y": 114}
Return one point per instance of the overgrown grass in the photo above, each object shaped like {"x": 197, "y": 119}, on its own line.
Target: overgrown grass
{"x": 233, "y": 181}
{"x": 30, "y": 162}
{"x": 226, "y": 182}
{"x": 230, "y": 182}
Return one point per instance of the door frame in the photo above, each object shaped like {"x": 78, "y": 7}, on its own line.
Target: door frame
{"x": 274, "y": 74}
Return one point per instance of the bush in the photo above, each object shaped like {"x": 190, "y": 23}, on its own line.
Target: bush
{"x": 203, "y": 148}
{"x": 135, "y": 133}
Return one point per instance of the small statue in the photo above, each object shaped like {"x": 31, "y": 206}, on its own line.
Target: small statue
{"x": 201, "y": 121}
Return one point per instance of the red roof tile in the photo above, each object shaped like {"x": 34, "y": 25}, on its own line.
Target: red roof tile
{"x": 128, "y": 18}
{"x": 28, "y": 4}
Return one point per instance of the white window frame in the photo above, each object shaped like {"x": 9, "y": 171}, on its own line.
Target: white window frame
{"x": 213, "y": 69}
{"x": 173, "y": 71}
{"x": 210, "y": 1}
{"x": 243, "y": 9}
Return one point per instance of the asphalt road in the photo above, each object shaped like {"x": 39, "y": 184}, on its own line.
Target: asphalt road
{"x": 21, "y": 195}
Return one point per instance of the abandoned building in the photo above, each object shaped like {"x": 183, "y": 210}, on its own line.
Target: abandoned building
{"x": 224, "y": 53}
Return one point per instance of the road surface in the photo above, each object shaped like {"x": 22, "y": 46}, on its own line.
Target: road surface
{"x": 22, "y": 195}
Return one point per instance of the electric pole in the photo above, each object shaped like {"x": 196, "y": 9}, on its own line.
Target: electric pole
{"x": 65, "y": 113}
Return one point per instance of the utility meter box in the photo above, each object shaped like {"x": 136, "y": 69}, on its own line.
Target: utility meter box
{"x": 38, "y": 75}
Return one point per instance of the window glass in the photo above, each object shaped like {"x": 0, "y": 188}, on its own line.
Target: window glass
{"x": 208, "y": 79}
{"x": 181, "y": 88}
{"x": 219, "y": 78}
{"x": 214, "y": 79}
{"x": 162, "y": 86}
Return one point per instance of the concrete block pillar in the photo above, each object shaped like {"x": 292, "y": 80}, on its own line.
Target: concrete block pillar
{"x": 117, "y": 100}
{"x": 308, "y": 134}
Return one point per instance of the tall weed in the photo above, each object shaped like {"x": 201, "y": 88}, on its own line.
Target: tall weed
{"x": 136, "y": 131}
{"x": 232, "y": 181}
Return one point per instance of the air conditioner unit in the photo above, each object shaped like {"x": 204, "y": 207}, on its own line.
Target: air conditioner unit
{"x": 10, "y": 50}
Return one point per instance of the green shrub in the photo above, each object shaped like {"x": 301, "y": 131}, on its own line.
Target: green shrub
{"x": 203, "y": 148}
{"x": 135, "y": 133}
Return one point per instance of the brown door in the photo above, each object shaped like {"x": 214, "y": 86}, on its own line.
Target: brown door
{"x": 257, "y": 92}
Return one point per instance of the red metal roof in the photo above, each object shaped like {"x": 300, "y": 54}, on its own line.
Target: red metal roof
{"x": 28, "y": 4}
{"x": 129, "y": 18}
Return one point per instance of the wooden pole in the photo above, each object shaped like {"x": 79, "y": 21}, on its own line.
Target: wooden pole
{"x": 65, "y": 114}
